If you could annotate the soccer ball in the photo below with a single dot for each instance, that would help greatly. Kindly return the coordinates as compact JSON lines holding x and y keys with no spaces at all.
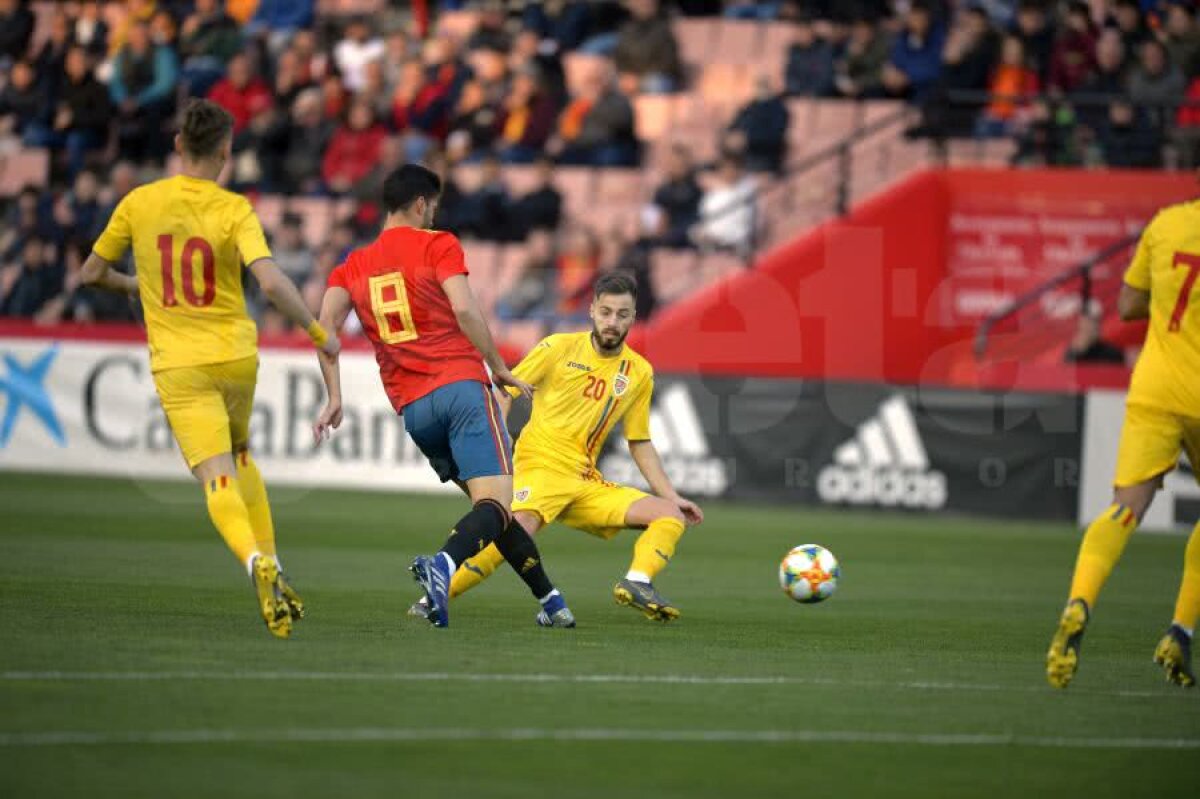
{"x":809,"y":573}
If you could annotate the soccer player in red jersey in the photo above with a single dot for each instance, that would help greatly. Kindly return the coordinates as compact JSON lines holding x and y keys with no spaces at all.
{"x":410,"y":291}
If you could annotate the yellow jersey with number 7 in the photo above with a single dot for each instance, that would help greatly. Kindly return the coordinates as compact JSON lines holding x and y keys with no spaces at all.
{"x":190,"y":240}
{"x":1167,"y":264}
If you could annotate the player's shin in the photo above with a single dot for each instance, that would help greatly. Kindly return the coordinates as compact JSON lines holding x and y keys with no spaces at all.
{"x":229,"y":515}
{"x":522,"y":554}
{"x":1102,"y":546}
{"x":475,"y":570}
{"x":655,"y":547}
{"x":254,"y":493}
{"x":1187,"y":606}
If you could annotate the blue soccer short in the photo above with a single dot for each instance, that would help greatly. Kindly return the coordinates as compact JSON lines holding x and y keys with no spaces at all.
{"x":460,"y":429}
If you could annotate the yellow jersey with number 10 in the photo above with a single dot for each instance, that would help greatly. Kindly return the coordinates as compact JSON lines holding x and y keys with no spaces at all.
{"x":190,"y":239}
{"x":580,"y":397}
{"x":1167,"y":264}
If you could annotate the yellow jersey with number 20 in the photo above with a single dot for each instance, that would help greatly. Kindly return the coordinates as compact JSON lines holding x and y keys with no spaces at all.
{"x":1167,"y":264}
{"x":190,"y":239}
{"x":580,"y":397}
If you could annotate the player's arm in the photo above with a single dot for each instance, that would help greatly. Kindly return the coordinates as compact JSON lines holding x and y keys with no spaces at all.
{"x":335,"y":307}
{"x":1134,"y":300}
{"x":98,"y":272}
{"x":475,"y":328}
{"x":1133,"y":303}
{"x":645,"y":455}
{"x":283,"y":294}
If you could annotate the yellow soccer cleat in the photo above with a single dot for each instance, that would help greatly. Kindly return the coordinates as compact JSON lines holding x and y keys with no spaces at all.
{"x":274,"y":610}
{"x":1174,"y":654}
{"x":643,"y":597}
{"x":292,"y":600}
{"x":1063,"y":658}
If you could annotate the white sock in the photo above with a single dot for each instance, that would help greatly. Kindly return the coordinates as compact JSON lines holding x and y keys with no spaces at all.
{"x":637,"y":577}
{"x":449,"y":562}
{"x":278,"y":562}
{"x":549,"y":596}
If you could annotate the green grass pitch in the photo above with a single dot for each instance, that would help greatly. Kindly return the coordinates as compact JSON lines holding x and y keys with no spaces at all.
{"x":132,"y":663}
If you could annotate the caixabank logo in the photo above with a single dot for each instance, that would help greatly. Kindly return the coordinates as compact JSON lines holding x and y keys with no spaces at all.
{"x":24,"y":390}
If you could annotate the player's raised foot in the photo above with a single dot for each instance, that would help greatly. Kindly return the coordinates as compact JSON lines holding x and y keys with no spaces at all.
{"x":264,"y":572}
{"x":292,"y":600}
{"x":642,"y":596}
{"x":419,"y":609}
{"x":1063,"y":658}
{"x":433,"y":575}
{"x":1174,"y":654}
{"x":555,"y":613}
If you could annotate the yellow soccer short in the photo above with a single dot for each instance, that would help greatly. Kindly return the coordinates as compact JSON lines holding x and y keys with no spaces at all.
{"x":592,"y":505}
{"x":208,"y":407}
{"x":1151,"y":441}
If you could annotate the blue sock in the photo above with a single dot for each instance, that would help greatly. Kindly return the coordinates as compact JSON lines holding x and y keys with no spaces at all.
{"x":553,"y":602}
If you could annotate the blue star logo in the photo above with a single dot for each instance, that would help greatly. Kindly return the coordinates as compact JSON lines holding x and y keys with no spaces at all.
{"x":25,"y":386}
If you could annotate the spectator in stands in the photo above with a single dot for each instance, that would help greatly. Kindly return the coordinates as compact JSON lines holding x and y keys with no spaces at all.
{"x":532,"y":293}
{"x":1185,"y":136}
{"x":540,"y":209}
{"x":1129,"y":20}
{"x":565,"y":22}
{"x":1074,"y":57}
{"x":80,"y":121}
{"x":675,"y":208}
{"x":29,"y":217}
{"x":727,"y":209}
{"x":142,"y":87}
{"x":1130,"y":140}
{"x":490,"y":33}
{"x":22,"y":105}
{"x":208,"y":41}
{"x":858,"y":70}
{"x":916,"y":58}
{"x":312,"y":63}
{"x":26,"y":286}
{"x":51,"y":59}
{"x":1087,"y":346}
{"x":420,"y":110}
{"x":78,"y":211}
{"x":291,"y":252}
{"x":289,"y":79}
{"x":529,"y":50}
{"x":1109,"y":78}
{"x":334,"y":97}
{"x":1012,"y":80}
{"x":1036,"y":30}
{"x":596,"y":128}
{"x":809,"y":68}
{"x":281,"y":19}
{"x":91,"y":31}
{"x":243,"y":94}
{"x":759,"y":131}
{"x":576,"y":268}
{"x":967,"y":59}
{"x":474,"y":119}
{"x":307,"y":137}
{"x":647,"y":55}
{"x":354,"y":149}
{"x":137,"y":12}
{"x":526,"y":119}
{"x":1155,"y":83}
{"x":357,"y":49}
{"x":16,"y":31}
{"x":1182,"y":37}
{"x":486,"y":209}
{"x":164,"y":31}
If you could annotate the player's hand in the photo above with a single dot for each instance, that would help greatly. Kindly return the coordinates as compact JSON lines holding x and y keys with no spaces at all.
{"x":332,"y":346}
{"x":329,"y":420}
{"x":691,"y":511}
{"x":505,"y":379}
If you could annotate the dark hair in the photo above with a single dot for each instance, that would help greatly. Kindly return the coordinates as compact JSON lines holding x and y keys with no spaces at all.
{"x":205,"y":127}
{"x":406,"y":184}
{"x":616,"y":283}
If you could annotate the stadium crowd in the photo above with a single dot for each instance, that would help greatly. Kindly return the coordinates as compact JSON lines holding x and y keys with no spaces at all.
{"x":326,"y":102}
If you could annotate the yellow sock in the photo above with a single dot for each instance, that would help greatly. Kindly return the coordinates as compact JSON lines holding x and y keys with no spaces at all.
{"x":1102,"y":546}
{"x":254,"y":493}
{"x":475,"y":570}
{"x":1187,"y":607}
{"x":228,"y":512}
{"x":655,"y":547}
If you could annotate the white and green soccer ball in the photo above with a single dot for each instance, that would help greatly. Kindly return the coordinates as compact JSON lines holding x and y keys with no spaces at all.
{"x":809,"y":573}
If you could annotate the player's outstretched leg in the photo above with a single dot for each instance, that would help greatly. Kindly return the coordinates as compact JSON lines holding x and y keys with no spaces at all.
{"x":1063,"y":658}
{"x":254,"y":492}
{"x":1174,"y":652}
{"x":473,"y":533}
{"x":653,"y":551}
{"x":517,"y":546}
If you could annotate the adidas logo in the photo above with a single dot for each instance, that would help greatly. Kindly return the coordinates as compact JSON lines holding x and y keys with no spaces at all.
{"x":678,"y":435}
{"x":885,"y":464}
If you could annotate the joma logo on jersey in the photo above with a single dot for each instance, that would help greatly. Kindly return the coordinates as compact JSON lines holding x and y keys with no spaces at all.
{"x":581,"y":367}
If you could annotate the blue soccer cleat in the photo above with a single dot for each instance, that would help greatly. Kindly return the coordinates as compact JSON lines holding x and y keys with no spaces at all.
{"x":555,"y":613}
{"x":433,"y":575}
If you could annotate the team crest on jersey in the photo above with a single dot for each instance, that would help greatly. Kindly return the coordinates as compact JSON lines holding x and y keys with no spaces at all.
{"x":521,"y":494}
{"x":620,"y":385}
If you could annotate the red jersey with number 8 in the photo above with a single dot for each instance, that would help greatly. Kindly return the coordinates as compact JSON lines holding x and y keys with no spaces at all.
{"x":395,"y":284}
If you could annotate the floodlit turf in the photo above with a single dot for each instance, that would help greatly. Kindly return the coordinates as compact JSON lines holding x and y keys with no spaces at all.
{"x":132,"y":664}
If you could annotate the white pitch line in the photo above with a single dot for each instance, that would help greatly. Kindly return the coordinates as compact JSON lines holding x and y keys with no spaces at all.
{"x":413,"y":735}
{"x":633,"y":679}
